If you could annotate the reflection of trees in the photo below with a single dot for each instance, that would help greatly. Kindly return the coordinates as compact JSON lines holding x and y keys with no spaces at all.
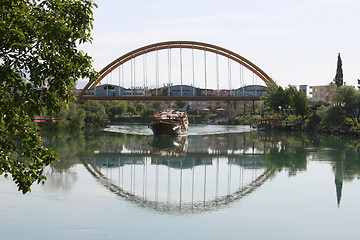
{"x":282,"y":149}
{"x":285,"y":151}
{"x":66,"y":145}
{"x":279,"y":157}
{"x":345,"y":157}
{"x":277,"y":150}
{"x":343,"y":153}
{"x":60,"y":181}
{"x":291,"y":151}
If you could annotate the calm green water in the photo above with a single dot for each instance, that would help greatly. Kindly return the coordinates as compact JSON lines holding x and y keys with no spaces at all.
{"x":218,"y":182}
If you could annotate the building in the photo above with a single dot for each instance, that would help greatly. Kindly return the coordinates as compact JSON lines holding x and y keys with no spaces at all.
{"x":137,"y":91}
{"x":303,"y":88}
{"x":107,"y":90}
{"x":322,"y":93}
{"x":250,"y":91}
{"x":182,"y":90}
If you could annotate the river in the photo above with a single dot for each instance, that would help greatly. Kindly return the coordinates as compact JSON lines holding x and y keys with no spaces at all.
{"x":218,"y":182}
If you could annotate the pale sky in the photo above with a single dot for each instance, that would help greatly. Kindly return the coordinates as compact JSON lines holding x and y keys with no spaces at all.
{"x":293,"y":41}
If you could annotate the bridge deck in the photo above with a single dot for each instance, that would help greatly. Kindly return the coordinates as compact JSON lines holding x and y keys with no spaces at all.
{"x":171,"y":98}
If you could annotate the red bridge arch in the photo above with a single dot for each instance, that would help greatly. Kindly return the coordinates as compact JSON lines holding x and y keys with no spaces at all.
{"x":178,"y":44}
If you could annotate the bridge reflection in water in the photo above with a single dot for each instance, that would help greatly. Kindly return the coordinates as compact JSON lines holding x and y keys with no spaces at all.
{"x":168,"y":178}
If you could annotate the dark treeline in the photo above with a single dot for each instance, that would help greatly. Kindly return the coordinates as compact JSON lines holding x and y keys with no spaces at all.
{"x":95,"y":114}
{"x":291,"y":106}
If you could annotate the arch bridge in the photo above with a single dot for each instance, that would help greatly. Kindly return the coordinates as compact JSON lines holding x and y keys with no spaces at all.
{"x":166,"y":203}
{"x":200,"y":81}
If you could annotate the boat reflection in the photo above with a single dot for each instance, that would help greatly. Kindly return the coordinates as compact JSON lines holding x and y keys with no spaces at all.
{"x":169,"y":145}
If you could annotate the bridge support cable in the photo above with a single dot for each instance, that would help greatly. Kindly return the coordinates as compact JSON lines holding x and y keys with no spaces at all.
{"x":134,"y":88}
{"x":181,"y":72}
{"x":157,"y":72}
{"x":229,"y":76}
{"x":120,"y":80}
{"x":256,"y":87}
{"x":144,"y":78}
{"x":240,"y":79}
{"x":193,"y":69}
{"x":107,"y":87}
{"x":169,"y":69}
{"x":205,"y":71}
{"x":242,"y":74}
{"x":145,"y":70}
{"x":123,"y":76}
{"x":131,"y":75}
{"x":111,"y":73}
{"x":217,"y":74}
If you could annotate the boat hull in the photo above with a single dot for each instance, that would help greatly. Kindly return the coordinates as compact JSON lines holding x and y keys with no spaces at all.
{"x":164,"y":128}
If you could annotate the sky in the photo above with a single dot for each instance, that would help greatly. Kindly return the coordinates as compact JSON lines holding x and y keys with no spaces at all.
{"x":294,"y":41}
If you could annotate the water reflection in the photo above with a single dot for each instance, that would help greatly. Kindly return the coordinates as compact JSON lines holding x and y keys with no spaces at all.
{"x":169,"y":145}
{"x":196,"y":173}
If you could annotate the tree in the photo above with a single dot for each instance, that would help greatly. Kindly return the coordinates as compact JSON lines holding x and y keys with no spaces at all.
{"x":339,"y":73}
{"x":148,"y":112}
{"x":76,"y":116}
{"x":158,"y":105}
{"x":140,"y":107}
{"x":299,"y":101}
{"x":39,"y":65}
{"x":270,"y":97}
{"x":131,"y":109}
{"x":276,"y":97}
{"x":73,"y":115}
{"x":95,"y":114}
{"x":114,"y":109}
{"x":332,"y":116}
{"x":180,"y":104}
{"x":348,"y":99}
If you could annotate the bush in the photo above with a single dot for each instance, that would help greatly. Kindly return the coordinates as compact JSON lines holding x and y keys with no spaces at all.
{"x":312,"y":122}
{"x":95,"y":115}
{"x":292,"y":119}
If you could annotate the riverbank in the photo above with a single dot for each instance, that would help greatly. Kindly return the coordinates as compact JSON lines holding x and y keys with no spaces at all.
{"x":311,"y":123}
{"x":307,"y":124}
